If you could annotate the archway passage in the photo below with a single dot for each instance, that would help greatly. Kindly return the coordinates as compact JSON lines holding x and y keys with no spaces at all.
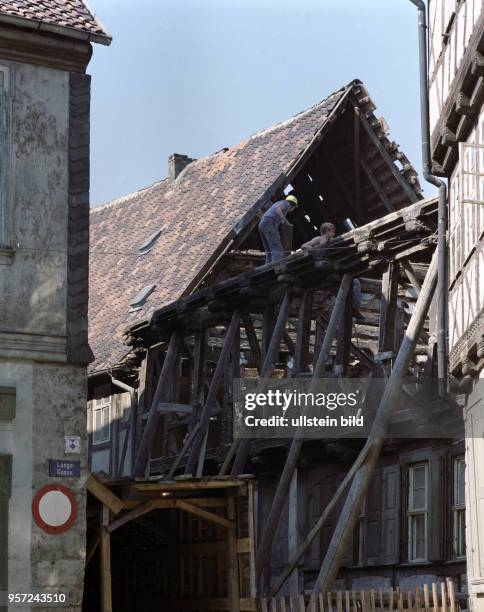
{"x":171,"y":546}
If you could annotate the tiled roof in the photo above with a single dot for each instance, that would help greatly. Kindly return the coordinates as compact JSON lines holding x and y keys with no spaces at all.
{"x":196,"y":213}
{"x":73,"y":15}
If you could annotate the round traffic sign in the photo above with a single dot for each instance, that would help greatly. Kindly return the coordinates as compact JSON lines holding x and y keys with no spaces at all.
{"x":54,"y":508}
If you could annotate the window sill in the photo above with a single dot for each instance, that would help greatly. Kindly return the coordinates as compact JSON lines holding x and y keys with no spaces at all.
{"x":417,"y":564}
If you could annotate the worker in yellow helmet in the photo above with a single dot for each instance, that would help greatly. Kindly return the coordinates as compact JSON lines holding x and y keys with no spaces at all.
{"x":270,"y":224}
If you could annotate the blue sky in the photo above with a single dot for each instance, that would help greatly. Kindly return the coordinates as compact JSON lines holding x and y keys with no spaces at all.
{"x":193,"y":76}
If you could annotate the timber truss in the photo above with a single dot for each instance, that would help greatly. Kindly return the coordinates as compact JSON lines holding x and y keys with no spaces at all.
{"x":297,"y":311}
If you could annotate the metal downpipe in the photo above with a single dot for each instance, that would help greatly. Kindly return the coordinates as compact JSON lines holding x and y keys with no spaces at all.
{"x":442,"y":282}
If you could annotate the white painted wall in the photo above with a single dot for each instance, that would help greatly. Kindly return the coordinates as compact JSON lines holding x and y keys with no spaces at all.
{"x":457,"y":19}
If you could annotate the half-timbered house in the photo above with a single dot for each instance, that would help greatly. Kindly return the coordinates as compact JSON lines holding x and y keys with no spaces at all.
{"x":181,"y":304}
{"x":456,"y":86}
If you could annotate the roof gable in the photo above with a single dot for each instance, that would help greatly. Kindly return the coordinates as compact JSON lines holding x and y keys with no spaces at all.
{"x":211,"y":205}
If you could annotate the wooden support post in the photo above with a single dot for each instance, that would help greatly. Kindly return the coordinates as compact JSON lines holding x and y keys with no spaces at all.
{"x":233,"y":562}
{"x":359,"y":486}
{"x":198,"y":372}
{"x":106,"y":587}
{"x":267,"y":329}
{"x":159,"y":396}
{"x":318,"y":338}
{"x":252,"y":339}
{"x":281,"y":492}
{"x":326,"y":512}
{"x":194,"y":455}
{"x":266,"y":372}
{"x":356,"y":155}
{"x":292,"y":531}
{"x":345,"y":329}
{"x":301,"y":355}
{"x":388,"y":309}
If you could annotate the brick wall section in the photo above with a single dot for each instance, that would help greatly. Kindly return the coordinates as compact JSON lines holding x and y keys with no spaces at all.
{"x":78,"y":350}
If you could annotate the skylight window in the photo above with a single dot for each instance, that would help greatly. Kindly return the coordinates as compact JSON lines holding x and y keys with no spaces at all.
{"x":149,"y":242}
{"x":140,"y":298}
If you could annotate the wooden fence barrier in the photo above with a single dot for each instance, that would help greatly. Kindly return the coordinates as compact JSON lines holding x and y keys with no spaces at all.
{"x":436,"y":598}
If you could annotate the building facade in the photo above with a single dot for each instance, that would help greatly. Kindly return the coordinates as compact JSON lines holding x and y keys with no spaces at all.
{"x":44,"y":234}
{"x":456,"y":84}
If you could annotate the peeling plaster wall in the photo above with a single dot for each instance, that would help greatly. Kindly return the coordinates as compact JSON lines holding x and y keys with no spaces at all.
{"x":51,"y":393}
{"x":33,"y":285}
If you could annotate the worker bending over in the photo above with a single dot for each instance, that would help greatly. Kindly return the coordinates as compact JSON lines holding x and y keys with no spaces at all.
{"x":270,"y":224}
{"x":327,"y":232}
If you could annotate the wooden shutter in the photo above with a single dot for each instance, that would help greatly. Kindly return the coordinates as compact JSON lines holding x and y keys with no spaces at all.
{"x":390,"y":523}
{"x":5,"y":489}
{"x":373,"y":519}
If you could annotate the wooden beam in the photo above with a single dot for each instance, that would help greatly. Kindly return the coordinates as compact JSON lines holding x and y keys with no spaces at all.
{"x":402,"y":181}
{"x":375,"y":184}
{"x":92,"y":547}
{"x":356,"y":156}
{"x":106,"y":581}
{"x":162,"y":389}
{"x":266,"y":372}
{"x":388,"y":309}
{"x":204,"y":514}
{"x":267,"y":329}
{"x":233,"y":561}
{"x":189,"y":439}
{"x":345,"y":329}
{"x":193,"y":457}
{"x":131,"y":515}
{"x":252,"y":339}
{"x":359,"y":487}
{"x":342,"y":187}
{"x":303,"y":337}
{"x":104,"y":495}
{"x":282,"y":490}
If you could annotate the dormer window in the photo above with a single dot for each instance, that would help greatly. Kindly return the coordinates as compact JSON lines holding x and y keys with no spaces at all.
{"x":140,"y":298}
{"x":149,"y":242}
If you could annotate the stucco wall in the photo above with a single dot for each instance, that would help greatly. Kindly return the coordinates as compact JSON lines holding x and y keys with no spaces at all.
{"x":50,"y":405}
{"x":33,"y":284}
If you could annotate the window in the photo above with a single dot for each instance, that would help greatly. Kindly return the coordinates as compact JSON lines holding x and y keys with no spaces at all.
{"x":417,"y":512}
{"x":5,"y":237}
{"x":140,"y":298}
{"x":101,"y":417}
{"x":471,"y":157}
{"x":458,"y":509}
{"x":149,"y":242}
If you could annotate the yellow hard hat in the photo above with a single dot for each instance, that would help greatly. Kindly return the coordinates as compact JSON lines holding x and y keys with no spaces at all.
{"x":292,"y":198}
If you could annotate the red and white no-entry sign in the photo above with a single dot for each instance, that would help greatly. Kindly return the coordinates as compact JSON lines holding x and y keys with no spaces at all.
{"x":54,"y":508}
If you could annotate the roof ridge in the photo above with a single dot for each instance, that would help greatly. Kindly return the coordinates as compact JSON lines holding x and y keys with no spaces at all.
{"x":127,"y":196}
{"x":298,"y":115}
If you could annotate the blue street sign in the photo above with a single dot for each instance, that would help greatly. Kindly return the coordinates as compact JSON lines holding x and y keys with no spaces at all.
{"x":59,"y":468}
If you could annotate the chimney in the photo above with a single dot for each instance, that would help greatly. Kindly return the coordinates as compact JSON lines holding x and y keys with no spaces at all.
{"x":176,"y":163}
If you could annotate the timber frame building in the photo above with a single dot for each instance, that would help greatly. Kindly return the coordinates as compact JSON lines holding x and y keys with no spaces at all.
{"x":456,"y":87}
{"x":192,"y":519}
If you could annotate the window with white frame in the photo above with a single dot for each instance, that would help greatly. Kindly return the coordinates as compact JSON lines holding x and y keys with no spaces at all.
{"x":471,"y":165}
{"x":459,"y":509}
{"x":101,"y":418}
{"x":5,"y":211}
{"x":417,"y":511}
